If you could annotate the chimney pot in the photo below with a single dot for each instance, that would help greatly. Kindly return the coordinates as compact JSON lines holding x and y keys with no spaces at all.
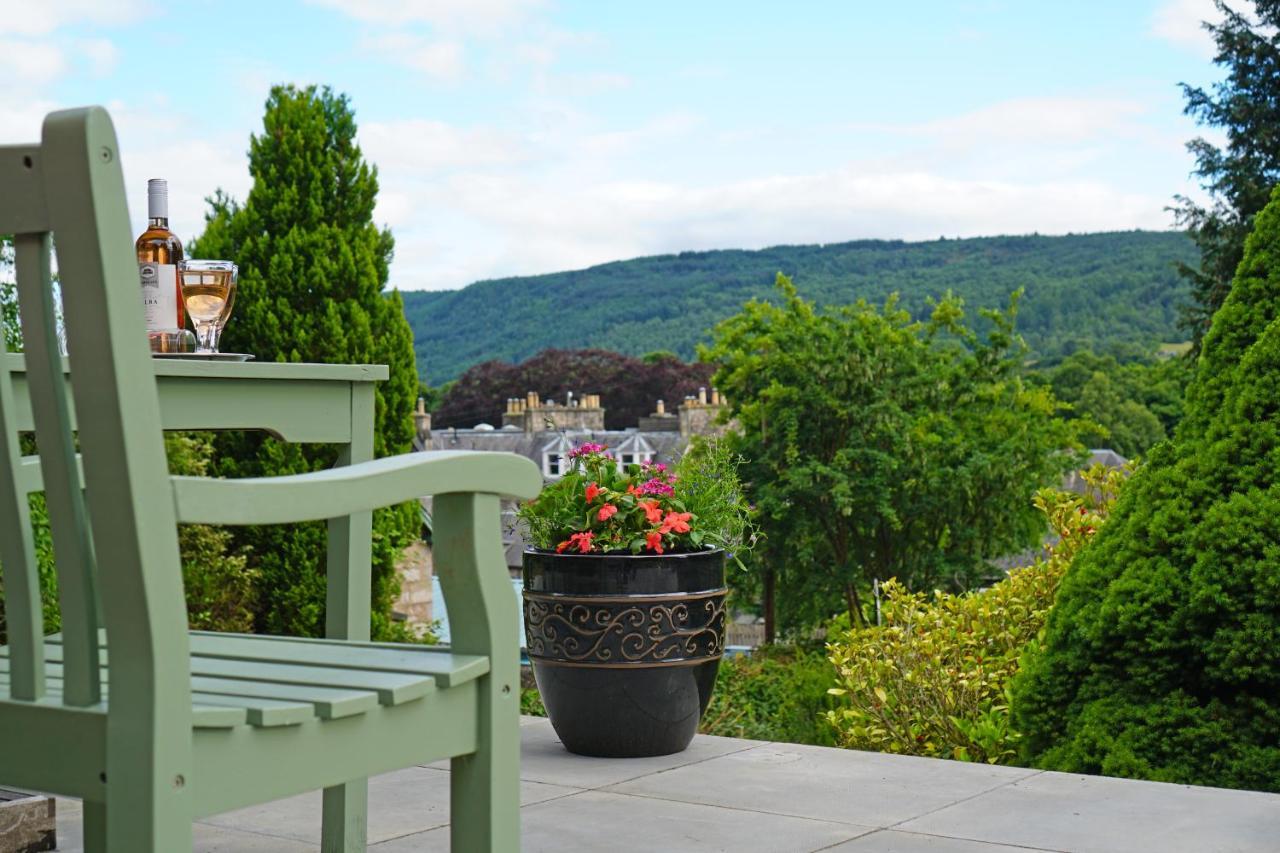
{"x":662,"y":408}
{"x":702,"y":396}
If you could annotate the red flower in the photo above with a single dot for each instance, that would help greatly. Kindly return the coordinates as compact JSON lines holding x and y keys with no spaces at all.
{"x":632,"y":490}
{"x":582,"y":540}
{"x":592,"y":491}
{"x":652,"y":513}
{"x":607,"y":512}
{"x":560,"y":548}
{"x":653,"y":541}
{"x":676,"y":522}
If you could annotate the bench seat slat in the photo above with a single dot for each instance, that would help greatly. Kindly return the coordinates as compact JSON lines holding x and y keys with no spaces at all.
{"x":203,"y":716}
{"x":329,"y":703}
{"x":261,"y":712}
{"x":447,"y":668}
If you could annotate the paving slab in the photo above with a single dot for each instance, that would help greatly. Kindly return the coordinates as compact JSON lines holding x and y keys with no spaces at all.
{"x":867,"y":788}
{"x":544,"y":759}
{"x":400,"y":803}
{"x":743,"y":796}
{"x":207,"y":839}
{"x":594,"y":821}
{"x":1094,"y":814}
{"x":893,"y":841}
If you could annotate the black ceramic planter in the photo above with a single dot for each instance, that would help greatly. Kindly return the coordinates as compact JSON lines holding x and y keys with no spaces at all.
{"x":624,"y":648}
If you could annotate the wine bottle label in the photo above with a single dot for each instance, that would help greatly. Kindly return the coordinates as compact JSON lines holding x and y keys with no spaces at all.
{"x":159,"y":295}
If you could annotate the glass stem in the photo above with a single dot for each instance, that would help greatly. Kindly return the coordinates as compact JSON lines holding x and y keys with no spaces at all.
{"x":206,"y":337}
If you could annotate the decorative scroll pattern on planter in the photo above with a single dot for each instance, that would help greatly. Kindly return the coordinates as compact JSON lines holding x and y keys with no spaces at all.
{"x":650,"y":629}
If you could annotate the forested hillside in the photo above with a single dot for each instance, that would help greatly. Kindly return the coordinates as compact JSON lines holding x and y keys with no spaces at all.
{"x":1112,"y":292}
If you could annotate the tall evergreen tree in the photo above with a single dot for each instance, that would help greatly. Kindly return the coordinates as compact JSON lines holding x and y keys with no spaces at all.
{"x":313,"y":271}
{"x":1239,"y":178}
{"x":1161,"y":657}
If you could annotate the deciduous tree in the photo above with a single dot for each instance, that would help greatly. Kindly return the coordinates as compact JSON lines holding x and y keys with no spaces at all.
{"x":1238,"y":176}
{"x":880,"y":447}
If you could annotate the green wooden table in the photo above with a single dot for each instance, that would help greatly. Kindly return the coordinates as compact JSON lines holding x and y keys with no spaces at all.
{"x":298,"y":403}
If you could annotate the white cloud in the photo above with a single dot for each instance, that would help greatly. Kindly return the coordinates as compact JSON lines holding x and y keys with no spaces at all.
{"x":480,"y":17}
{"x":1181,"y":22}
{"x":101,"y":55}
{"x":479,"y":202}
{"x":32,"y":62}
{"x":41,"y":18}
{"x":440,"y":59}
{"x":1030,"y":120}
{"x":424,"y":146}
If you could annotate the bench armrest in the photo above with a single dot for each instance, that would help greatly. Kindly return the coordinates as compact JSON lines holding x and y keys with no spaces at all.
{"x":344,"y":490}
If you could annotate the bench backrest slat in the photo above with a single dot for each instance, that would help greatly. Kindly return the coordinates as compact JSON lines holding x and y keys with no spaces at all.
{"x":64,"y":496}
{"x":24,"y":622}
{"x":114,"y":527}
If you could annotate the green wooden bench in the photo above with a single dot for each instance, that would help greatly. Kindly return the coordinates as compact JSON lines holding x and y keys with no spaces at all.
{"x":150,"y":724}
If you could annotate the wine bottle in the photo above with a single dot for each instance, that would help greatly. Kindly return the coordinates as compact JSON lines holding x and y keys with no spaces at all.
{"x":159,"y":253}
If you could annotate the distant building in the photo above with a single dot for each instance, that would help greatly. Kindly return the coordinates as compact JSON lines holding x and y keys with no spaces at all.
{"x":545,"y":432}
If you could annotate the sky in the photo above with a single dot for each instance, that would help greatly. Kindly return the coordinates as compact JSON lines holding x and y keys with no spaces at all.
{"x":516,"y":137}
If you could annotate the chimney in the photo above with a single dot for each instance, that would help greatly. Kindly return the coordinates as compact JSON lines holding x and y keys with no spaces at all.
{"x":715,"y":397}
{"x":422,"y":421}
{"x":662,"y":408}
{"x":702,"y":396}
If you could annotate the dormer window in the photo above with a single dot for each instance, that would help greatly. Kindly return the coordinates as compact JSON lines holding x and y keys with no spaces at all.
{"x":634,"y":450}
{"x":555,"y":457}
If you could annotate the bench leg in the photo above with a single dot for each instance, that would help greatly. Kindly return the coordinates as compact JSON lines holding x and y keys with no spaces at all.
{"x":345,"y":826}
{"x":484,"y":788}
{"x":136,"y":825}
{"x":95,"y":827}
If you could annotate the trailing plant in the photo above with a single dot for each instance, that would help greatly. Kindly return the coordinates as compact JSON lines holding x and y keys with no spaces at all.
{"x":932,"y":678}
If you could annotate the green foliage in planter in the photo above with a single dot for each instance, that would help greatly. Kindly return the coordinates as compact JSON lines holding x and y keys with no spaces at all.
{"x":932,"y":679}
{"x":1161,"y":659}
{"x":777,"y":693}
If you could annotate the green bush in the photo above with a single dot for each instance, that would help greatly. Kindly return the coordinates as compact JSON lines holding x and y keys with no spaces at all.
{"x":776,"y":693}
{"x":221,"y":590}
{"x":1161,"y":659}
{"x":531,"y":702}
{"x":932,"y":678}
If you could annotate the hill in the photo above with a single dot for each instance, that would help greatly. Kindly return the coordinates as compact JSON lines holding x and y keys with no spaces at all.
{"x":1111,"y":292}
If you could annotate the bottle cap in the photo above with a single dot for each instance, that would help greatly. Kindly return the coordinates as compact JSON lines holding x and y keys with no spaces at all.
{"x":158,"y":198}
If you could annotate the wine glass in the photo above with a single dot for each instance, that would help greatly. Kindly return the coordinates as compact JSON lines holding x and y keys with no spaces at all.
{"x":209,"y":291}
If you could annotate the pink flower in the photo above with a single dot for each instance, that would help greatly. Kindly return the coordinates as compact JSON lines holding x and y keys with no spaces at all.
{"x":582,"y":540}
{"x":657,"y":486}
{"x":586,"y":450}
{"x":607,"y":512}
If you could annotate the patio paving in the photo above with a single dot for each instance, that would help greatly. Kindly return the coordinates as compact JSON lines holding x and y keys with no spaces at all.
{"x":737,"y":795}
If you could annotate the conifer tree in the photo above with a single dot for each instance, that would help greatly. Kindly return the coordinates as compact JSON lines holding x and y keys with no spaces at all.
{"x":1161,"y":657}
{"x":313,"y":271}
